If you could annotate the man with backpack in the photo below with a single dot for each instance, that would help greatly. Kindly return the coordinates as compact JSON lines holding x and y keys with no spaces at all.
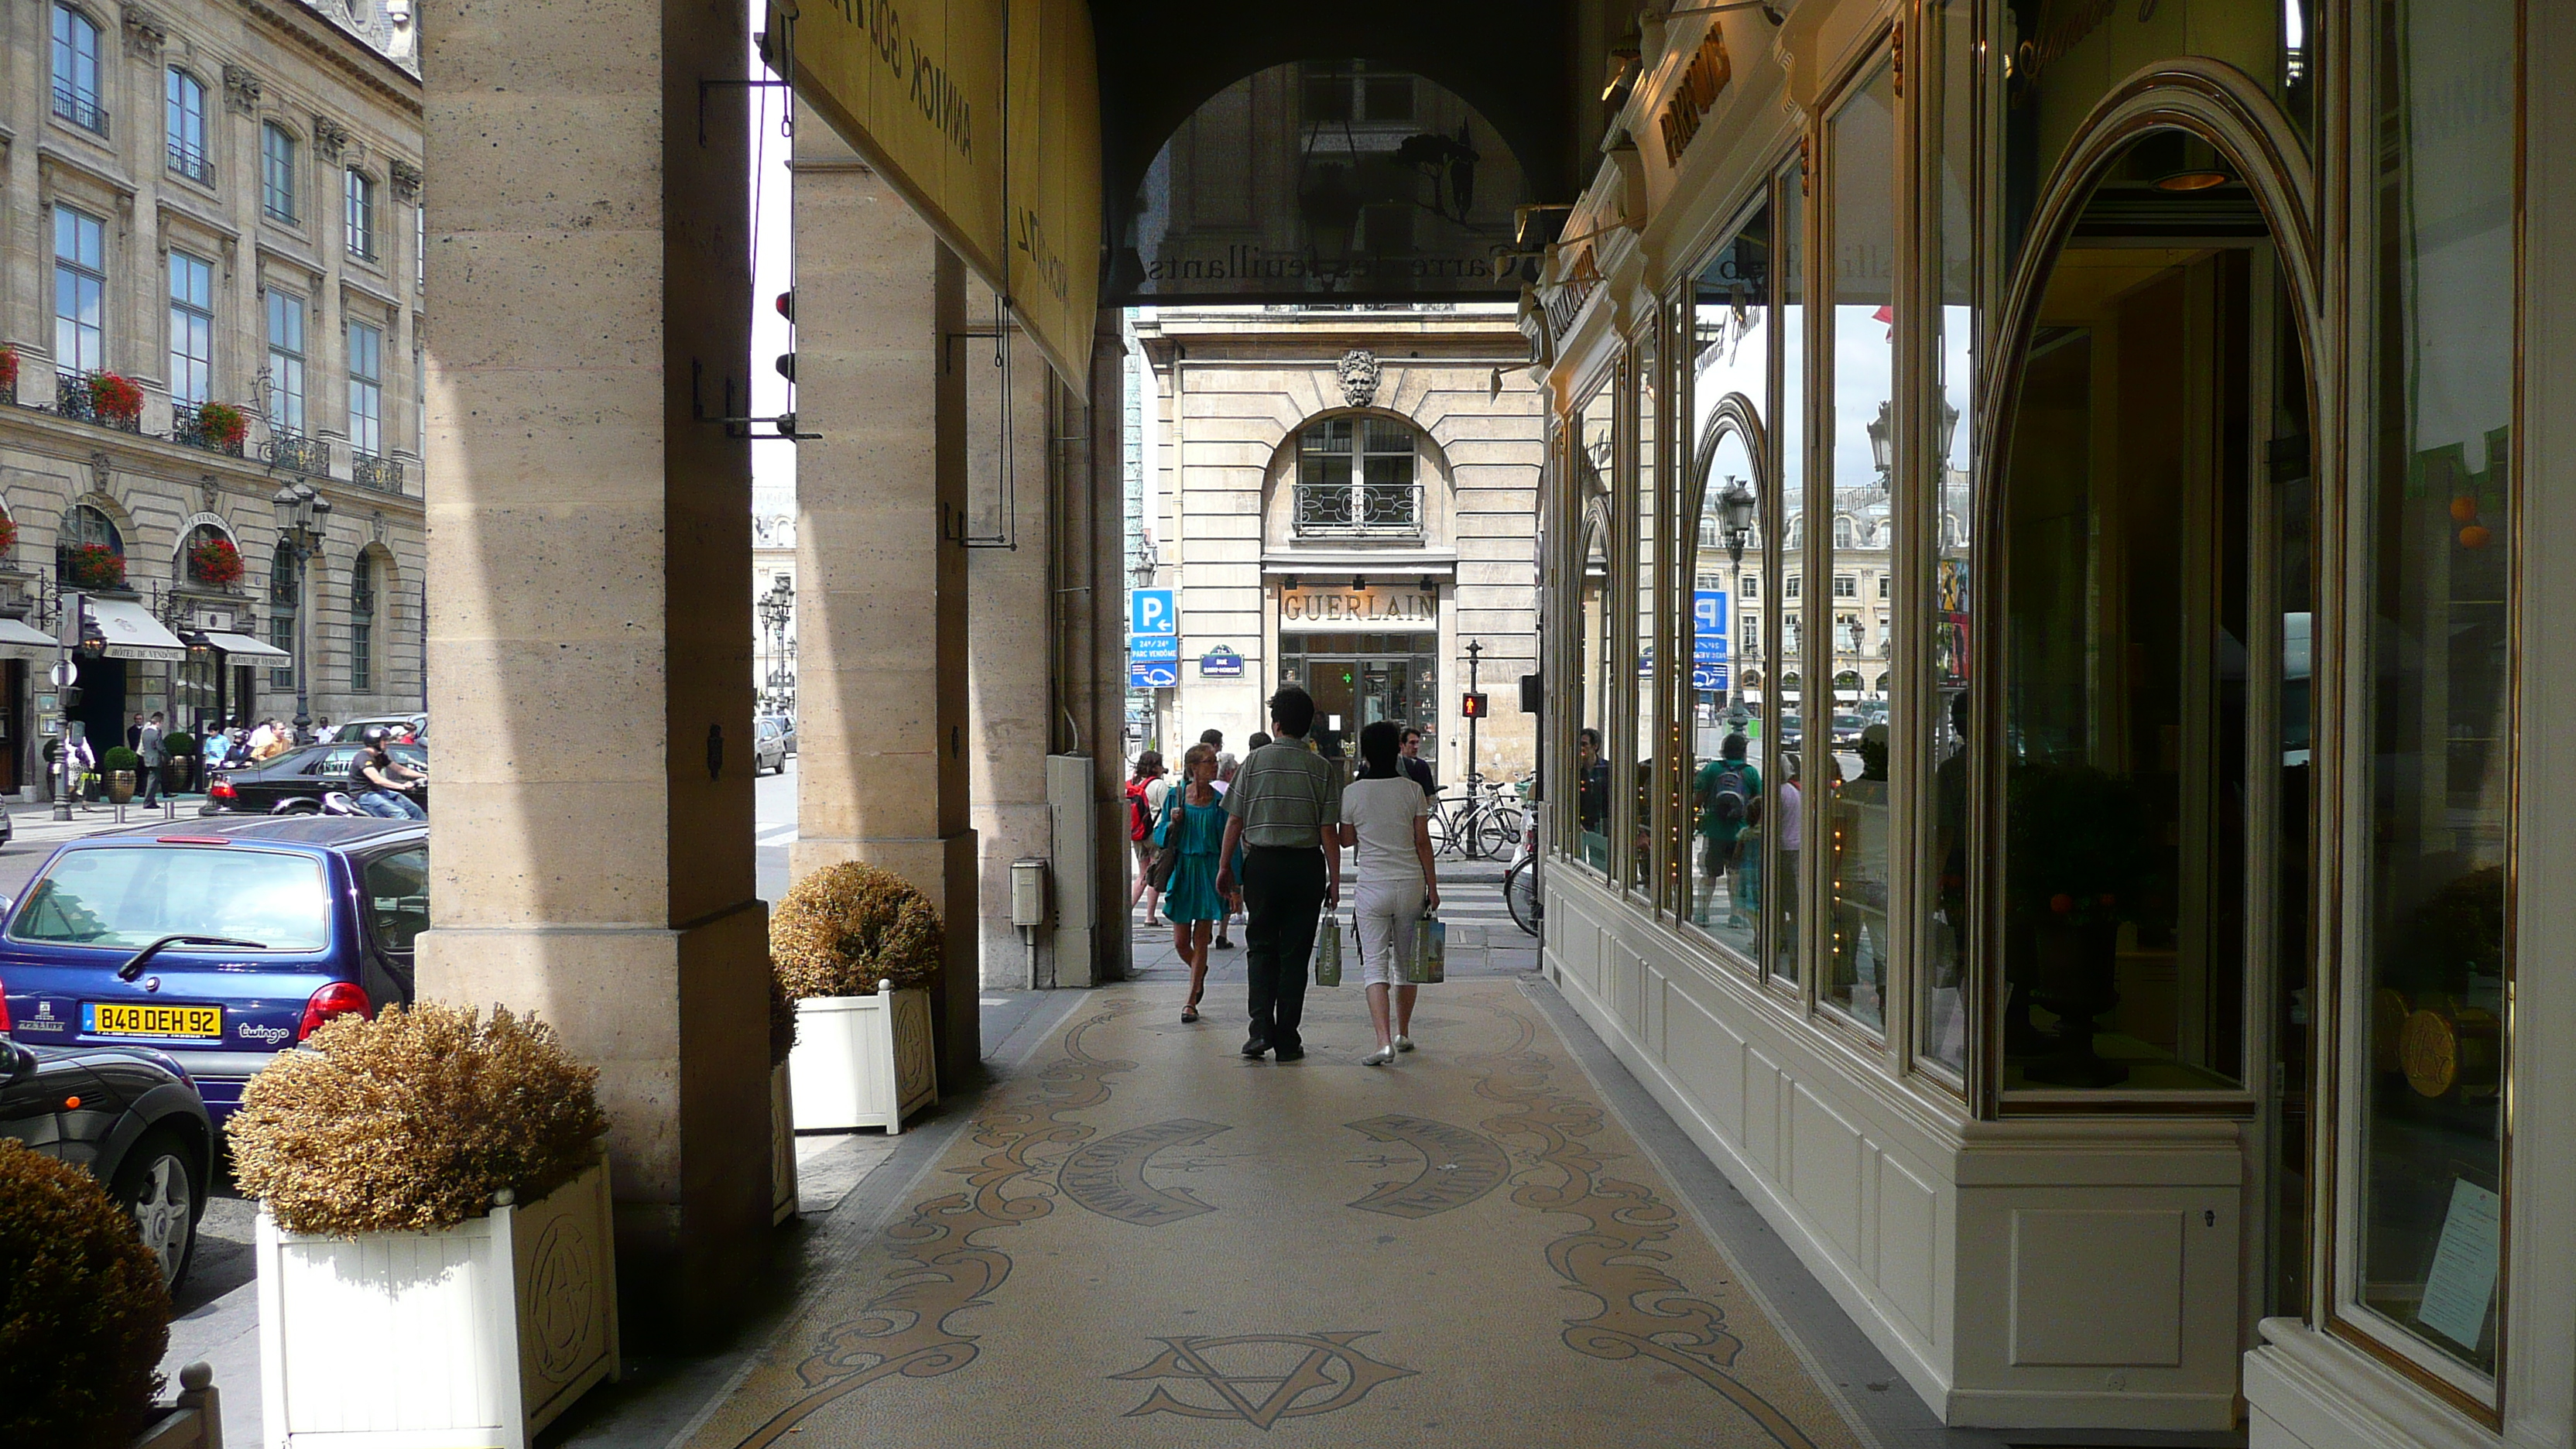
{"x":1724,"y":791}
{"x":1145,"y":791}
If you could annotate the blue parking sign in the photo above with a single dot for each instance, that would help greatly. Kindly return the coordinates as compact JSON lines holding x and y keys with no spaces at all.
{"x":1156,"y":674}
{"x":1150,"y":611}
{"x":1709,"y":678}
{"x":1708,"y":626}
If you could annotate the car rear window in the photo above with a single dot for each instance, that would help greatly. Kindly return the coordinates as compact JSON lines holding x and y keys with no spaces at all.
{"x":131,"y":896}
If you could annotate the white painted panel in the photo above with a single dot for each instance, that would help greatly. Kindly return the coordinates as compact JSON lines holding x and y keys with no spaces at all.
{"x":1909,"y":1213}
{"x":1824,"y":1168}
{"x":1707,"y":1060}
{"x":1762,"y":1111}
{"x":1652,"y":1013}
{"x":2097,"y":1287}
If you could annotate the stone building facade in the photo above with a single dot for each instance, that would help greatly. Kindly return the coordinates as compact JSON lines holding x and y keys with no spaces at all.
{"x":1345,"y":498}
{"x":211,"y":211}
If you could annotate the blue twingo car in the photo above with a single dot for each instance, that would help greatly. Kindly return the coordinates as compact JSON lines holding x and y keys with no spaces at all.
{"x":221,"y":942}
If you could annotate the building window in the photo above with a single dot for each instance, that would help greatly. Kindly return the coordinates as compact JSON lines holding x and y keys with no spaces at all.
{"x":1846,"y":586}
{"x":184,"y":125}
{"x":77,"y":562}
{"x":80,"y":291}
{"x":282,"y":600}
{"x":362,"y":624}
{"x":1882,"y":586}
{"x":420,"y":403}
{"x":1750,"y":585}
{"x":285,"y":361}
{"x":1342,"y":91}
{"x":420,"y":248}
{"x":192,"y":328}
{"x":1356,"y":475}
{"x":1789,"y":587}
{"x":366,"y":388}
{"x":1843,"y":534}
{"x":277,"y":172}
{"x":1751,"y":630}
{"x":76,"y":71}
{"x":360,"y":223}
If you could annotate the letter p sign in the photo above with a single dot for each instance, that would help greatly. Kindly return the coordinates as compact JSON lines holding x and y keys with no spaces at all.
{"x":1149,"y":611}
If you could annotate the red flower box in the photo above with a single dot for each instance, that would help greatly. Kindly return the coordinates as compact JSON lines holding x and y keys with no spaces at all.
{"x":214,"y":561}
{"x":96,"y":566}
{"x":113,"y":396}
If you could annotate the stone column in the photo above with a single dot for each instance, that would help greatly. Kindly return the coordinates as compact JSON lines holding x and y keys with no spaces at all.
{"x":882,"y":578}
{"x":589,"y":640}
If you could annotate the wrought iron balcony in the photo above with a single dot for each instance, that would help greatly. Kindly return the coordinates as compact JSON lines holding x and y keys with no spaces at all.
{"x":192,"y":163}
{"x":374,"y":470}
{"x":81,"y":110}
{"x":75,"y":397}
{"x":187,"y":426}
{"x":1369,"y":510}
{"x":297,"y":453}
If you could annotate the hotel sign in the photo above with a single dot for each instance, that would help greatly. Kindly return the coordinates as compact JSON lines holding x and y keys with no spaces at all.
{"x":1406,"y":609}
{"x":1697,"y":90}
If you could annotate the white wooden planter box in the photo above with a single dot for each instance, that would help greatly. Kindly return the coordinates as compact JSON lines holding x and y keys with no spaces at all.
{"x":862,"y":1061}
{"x":782,"y":1147}
{"x":471,"y":1338}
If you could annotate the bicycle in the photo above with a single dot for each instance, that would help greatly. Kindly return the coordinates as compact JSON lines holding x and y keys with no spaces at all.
{"x":1476,"y":824}
{"x":1520,"y":883}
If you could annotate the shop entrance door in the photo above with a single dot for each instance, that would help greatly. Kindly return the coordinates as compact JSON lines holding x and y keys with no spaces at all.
{"x":1359,"y":679}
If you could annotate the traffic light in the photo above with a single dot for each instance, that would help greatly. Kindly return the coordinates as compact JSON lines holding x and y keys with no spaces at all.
{"x":786,"y":305}
{"x":1474,"y":706}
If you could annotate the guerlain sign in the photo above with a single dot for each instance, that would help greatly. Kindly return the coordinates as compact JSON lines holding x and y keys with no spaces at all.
{"x":1358,"y":609}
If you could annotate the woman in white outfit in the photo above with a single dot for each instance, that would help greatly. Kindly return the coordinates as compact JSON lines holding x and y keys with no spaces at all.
{"x":1388,"y":817}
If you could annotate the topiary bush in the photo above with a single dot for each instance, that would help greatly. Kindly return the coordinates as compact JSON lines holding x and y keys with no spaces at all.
{"x":782,"y":1023}
{"x":851,"y":929}
{"x":412,"y":1121}
{"x":84,"y":1318}
{"x":118,"y":757}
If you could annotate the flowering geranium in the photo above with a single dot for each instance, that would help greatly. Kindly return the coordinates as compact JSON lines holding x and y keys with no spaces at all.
{"x":113,"y":396}
{"x":8,"y":534}
{"x":214,"y":560}
{"x":8,"y":366}
{"x":223,"y":425}
{"x":97,"y":566}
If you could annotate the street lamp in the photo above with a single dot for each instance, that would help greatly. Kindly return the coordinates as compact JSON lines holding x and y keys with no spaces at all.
{"x":302,"y":516}
{"x":1882,"y":441}
{"x":1735,"y":508}
{"x":777,"y":609}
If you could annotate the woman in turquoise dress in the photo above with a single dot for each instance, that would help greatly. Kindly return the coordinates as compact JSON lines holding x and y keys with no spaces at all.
{"x":1194,"y":816}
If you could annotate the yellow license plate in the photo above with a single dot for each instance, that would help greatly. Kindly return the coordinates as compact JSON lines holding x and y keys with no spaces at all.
{"x":135,"y":1018}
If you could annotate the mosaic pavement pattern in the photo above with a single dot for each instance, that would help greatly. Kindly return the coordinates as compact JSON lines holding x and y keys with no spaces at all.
{"x":1147,"y":1239}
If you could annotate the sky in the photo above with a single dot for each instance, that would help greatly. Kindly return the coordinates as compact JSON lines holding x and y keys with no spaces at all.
{"x":773,"y":464}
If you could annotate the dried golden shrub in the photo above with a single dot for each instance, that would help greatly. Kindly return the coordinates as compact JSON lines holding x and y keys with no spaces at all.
{"x":412,"y":1121}
{"x":848,"y":929}
{"x":83,"y":1316}
{"x":782,"y":1023}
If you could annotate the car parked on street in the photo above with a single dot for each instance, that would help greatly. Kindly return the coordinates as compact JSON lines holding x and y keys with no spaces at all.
{"x":132,"y":1119}
{"x":218,"y":942}
{"x":295,"y":782}
{"x":768,"y":745}
{"x":787,"y":727}
{"x":348,"y":730}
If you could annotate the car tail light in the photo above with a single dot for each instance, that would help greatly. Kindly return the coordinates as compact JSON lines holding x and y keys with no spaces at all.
{"x":221,"y":789}
{"x":6,"y":1026}
{"x":337,"y":999}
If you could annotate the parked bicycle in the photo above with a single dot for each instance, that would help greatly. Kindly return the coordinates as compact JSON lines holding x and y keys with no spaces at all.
{"x":1476,"y":824}
{"x":1520,"y":883}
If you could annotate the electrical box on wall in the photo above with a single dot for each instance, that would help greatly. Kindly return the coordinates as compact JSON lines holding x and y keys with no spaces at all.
{"x":1028,"y":892}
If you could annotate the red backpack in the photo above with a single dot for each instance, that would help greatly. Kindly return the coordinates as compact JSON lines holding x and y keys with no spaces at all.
{"x":1139,"y":823}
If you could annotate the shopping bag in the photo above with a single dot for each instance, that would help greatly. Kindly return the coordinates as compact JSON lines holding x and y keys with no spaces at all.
{"x":1427,"y":964}
{"x":1328,"y":950}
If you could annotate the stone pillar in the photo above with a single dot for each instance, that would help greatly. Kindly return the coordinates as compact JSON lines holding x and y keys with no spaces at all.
{"x":590,"y":632}
{"x":1092,"y":521}
{"x":881,"y":503}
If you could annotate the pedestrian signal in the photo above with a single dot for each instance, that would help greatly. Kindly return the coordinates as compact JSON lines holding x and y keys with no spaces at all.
{"x":1474,"y":706}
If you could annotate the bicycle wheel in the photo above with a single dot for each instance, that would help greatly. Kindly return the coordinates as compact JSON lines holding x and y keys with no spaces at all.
{"x":1520,"y":894}
{"x":1443,"y":824}
{"x":1498,"y":832}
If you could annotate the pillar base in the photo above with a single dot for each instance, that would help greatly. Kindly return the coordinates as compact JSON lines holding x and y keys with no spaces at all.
{"x":677,"y":1021}
{"x":944,"y":868}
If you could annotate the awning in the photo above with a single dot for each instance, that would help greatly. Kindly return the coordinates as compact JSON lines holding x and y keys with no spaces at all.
{"x":21,"y":640}
{"x":240,"y":646}
{"x":124,"y":629}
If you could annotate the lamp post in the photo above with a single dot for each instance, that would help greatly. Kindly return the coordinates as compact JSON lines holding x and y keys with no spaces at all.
{"x":1736,"y":507}
{"x":777,"y":608}
{"x":302,"y":516}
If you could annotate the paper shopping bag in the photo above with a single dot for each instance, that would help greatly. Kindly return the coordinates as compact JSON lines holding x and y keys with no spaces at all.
{"x":1427,"y":963}
{"x":1328,"y":950}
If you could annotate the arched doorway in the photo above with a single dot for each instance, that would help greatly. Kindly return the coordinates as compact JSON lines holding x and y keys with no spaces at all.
{"x":2155,"y":524}
{"x":1728,"y":511}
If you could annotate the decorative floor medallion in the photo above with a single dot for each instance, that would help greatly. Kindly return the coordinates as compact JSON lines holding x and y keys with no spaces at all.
{"x":1316,"y":1373}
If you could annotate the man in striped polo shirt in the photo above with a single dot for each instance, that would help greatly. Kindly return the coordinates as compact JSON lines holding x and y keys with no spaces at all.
{"x":1285,"y":800}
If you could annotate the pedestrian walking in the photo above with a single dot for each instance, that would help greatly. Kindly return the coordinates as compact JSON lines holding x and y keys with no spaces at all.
{"x":1227,"y":766}
{"x":1416,"y":768}
{"x":1282,"y":803}
{"x":1193,"y":818}
{"x":1145,"y":790}
{"x":1387,"y":817}
{"x":1724,"y":792}
{"x":1258,"y":739}
{"x":1213,"y":739}
{"x":148,"y":745}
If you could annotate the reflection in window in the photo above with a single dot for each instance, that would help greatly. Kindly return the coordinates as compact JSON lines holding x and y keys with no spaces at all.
{"x":2439,"y":748}
{"x":1784,"y":802}
{"x":1645,"y":737}
{"x":1943,"y":895}
{"x":1592,"y":451}
{"x":1861,"y":149}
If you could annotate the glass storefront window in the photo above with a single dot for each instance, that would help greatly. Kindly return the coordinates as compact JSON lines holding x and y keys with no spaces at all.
{"x":1644,"y":736}
{"x":1725,"y":748}
{"x":1593,"y":434}
{"x":1783,"y":799}
{"x":1945,"y":514}
{"x":2437,"y":749}
{"x":1860,"y":158}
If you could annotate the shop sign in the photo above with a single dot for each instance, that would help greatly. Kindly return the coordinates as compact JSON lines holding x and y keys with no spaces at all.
{"x":1153,"y":626}
{"x":1710,"y":678}
{"x":1220,"y":663}
{"x":1153,"y":674}
{"x":1358,"y":609}
{"x":1698,"y":89}
{"x":1565,"y":301}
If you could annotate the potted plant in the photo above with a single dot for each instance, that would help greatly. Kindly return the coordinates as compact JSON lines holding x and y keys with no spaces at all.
{"x":8,"y":373}
{"x":96,"y":566}
{"x":782,"y":1104}
{"x":8,"y":534}
{"x":120,"y":765}
{"x":425,"y":1177}
{"x":115,"y":398}
{"x":178,"y":763}
{"x":84,"y":1317}
{"x":214,"y":560}
{"x":852,"y":945}
{"x":2078,"y":838}
{"x":224,"y":427}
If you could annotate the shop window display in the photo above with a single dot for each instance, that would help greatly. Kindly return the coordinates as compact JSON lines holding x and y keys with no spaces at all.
{"x":1783,"y":798}
{"x":1645,"y":738}
{"x":1593,"y":433}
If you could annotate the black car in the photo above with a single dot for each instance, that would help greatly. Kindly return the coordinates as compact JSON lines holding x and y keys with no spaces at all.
{"x":131,"y":1118}
{"x":295,"y":782}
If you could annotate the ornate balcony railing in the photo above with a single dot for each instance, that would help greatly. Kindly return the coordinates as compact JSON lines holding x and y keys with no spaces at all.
{"x":82,"y":111}
{"x":188,"y":427}
{"x":1372,"y":510}
{"x":374,"y":470}
{"x":76,"y":397}
{"x":190,"y":162}
{"x":299,"y":454}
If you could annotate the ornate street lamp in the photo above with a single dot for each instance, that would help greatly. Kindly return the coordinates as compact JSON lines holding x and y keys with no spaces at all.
{"x":302,"y":516}
{"x":1735,"y":512}
{"x":1882,"y":441}
{"x":777,"y":611}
